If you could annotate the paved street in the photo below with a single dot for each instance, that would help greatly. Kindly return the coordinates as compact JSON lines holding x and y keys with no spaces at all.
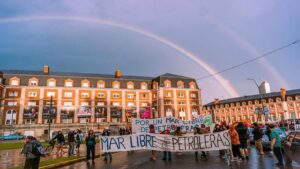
{"x":141,"y":160}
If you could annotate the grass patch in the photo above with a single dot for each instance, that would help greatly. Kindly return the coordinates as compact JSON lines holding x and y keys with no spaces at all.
{"x":52,"y":161}
{"x":14,"y":145}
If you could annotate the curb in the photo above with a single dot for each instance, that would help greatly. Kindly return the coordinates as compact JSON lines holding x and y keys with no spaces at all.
{"x":65,"y":163}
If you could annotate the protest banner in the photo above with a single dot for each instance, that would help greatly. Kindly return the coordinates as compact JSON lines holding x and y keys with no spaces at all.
{"x":159,"y":142}
{"x":169,"y":123}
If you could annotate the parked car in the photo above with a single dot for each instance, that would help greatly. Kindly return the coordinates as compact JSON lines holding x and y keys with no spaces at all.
{"x":12,"y":137}
{"x":266,"y":141}
{"x":291,"y":147}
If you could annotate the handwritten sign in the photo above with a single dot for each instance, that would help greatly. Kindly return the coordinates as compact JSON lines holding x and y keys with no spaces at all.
{"x":169,"y":123}
{"x":159,"y":142}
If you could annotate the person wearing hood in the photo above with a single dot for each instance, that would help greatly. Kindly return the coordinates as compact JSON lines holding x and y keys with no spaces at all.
{"x":235,"y":141}
{"x":242,"y":131}
{"x":32,"y":160}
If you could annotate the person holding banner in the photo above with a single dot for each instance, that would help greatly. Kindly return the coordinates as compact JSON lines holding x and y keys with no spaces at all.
{"x":90,"y":145}
{"x":167,"y":154}
{"x":106,"y":132}
{"x":152,"y":130}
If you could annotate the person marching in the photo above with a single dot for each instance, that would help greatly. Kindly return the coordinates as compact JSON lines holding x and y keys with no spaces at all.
{"x":167,"y":154}
{"x":257,"y":133}
{"x":79,"y":138}
{"x":242,"y":131}
{"x":276,"y":145}
{"x":90,"y":145}
{"x":235,"y":141}
{"x":32,"y":159}
{"x":61,"y":142}
{"x":71,"y":141}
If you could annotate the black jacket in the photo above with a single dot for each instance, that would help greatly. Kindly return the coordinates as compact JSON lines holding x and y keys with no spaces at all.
{"x":257,"y":133}
{"x":90,"y":140}
{"x":60,"y":138}
{"x":71,"y":136}
{"x":242,"y":131}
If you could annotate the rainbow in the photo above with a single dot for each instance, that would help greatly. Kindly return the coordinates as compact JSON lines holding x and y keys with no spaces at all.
{"x":225,"y":83}
{"x":250,"y":48}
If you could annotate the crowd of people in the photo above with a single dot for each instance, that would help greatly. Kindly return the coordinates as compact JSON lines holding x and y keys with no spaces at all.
{"x":238,"y":132}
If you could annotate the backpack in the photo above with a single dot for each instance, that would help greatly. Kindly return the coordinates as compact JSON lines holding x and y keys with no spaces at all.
{"x":38,"y":150}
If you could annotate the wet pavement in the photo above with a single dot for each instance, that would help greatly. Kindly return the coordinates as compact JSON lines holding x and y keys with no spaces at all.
{"x":141,"y":160}
{"x":14,"y":158}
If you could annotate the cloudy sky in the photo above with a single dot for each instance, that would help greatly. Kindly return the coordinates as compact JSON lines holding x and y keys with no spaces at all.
{"x":147,"y":37}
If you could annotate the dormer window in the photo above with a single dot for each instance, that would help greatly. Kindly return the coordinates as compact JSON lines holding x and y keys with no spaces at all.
{"x":143,"y":86}
{"x":101,"y":84}
{"x":33,"y":82}
{"x":15,"y":81}
{"x":85,"y":83}
{"x":192,"y":85}
{"x":130,"y":85}
{"x":167,"y":83}
{"x":116,"y":85}
{"x":154,"y":85}
{"x":69,"y":83}
{"x":51,"y":83}
{"x":180,"y":84}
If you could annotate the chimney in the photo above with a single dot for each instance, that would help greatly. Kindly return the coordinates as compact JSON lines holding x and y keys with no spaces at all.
{"x":46,"y":70}
{"x":118,"y":74}
{"x":283,"y":93}
{"x":216,"y":101}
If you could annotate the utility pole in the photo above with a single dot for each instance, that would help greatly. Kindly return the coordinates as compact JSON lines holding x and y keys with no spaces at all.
{"x":50,"y":118}
{"x":262,"y":111}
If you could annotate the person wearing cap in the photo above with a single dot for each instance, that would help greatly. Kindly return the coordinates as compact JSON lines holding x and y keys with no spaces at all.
{"x":276,"y":145}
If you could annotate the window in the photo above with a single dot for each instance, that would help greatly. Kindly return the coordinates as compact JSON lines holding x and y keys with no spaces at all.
{"x":289,"y":98}
{"x":101,"y":85}
{"x":116,"y":95}
{"x":85,"y":84}
{"x":169,"y":112}
{"x":15,"y":81}
{"x":10,"y":117}
{"x":68,"y":104}
{"x":144,"y":86}
{"x":144,"y":96}
{"x":194,"y":111}
{"x":48,"y":103}
{"x":51,"y":83}
{"x":180,"y":84}
{"x":168,"y":102}
{"x":12,"y":103}
{"x":181,"y":102}
{"x":116,"y":85}
{"x":192,"y":85}
{"x":116,"y":104}
{"x":155,"y":85}
{"x":32,"y":94}
{"x":193,"y":95}
{"x":297,"y":98}
{"x":130,"y":104}
{"x":13,"y":94}
{"x":100,"y":104}
{"x":168,"y":94}
{"x":84,"y":104}
{"x":31,"y":103}
{"x":68,"y":94}
{"x":144,"y":104}
{"x":85,"y":95}
{"x":154,"y":96}
{"x":167,"y":83}
{"x":194,"y":103}
{"x":130,"y":96}
{"x":49,"y":94}
{"x":100,"y":95}
{"x":180,"y":94}
{"x":69,"y":84}
{"x":33,"y":83}
{"x":130,"y":85}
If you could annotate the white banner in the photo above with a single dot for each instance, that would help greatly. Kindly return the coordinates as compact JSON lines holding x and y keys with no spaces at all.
{"x":159,"y":142}
{"x":169,"y":123}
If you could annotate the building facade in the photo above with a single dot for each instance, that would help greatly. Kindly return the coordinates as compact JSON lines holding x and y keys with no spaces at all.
{"x":82,"y":100}
{"x":277,"y":106}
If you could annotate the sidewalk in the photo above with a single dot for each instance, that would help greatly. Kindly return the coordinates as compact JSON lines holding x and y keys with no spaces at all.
{"x":14,"y":158}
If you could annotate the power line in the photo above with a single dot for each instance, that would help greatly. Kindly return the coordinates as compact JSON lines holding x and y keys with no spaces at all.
{"x":249,"y":61}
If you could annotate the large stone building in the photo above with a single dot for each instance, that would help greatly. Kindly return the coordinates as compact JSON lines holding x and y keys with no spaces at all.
{"x":82,"y":100}
{"x":278,"y":106}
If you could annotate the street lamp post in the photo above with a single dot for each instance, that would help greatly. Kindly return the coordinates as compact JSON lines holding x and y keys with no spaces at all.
{"x":261,"y":112}
{"x":50,"y":119}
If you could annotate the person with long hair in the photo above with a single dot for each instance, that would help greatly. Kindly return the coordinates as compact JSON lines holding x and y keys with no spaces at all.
{"x":90,"y":145}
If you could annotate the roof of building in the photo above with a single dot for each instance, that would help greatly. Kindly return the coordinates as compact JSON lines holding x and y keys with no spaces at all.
{"x":255,"y":97}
